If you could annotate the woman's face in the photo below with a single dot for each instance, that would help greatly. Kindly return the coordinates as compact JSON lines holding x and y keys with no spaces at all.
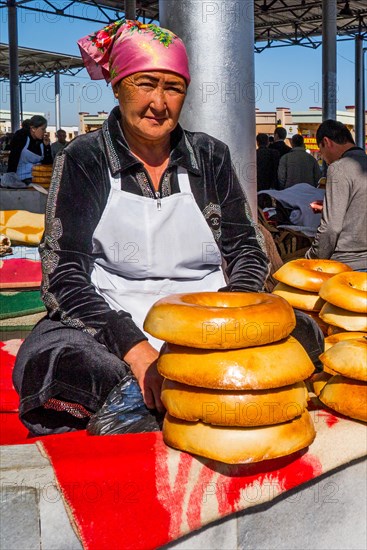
{"x":38,"y":133}
{"x":150,"y":103}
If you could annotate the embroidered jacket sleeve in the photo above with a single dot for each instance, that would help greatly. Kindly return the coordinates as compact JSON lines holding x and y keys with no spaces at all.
{"x":77,"y":198}
{"x":247,"y":266}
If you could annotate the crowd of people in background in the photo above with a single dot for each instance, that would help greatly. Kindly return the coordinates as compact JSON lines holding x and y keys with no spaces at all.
{"x":341,"y":232}
{"x":280,"y":166}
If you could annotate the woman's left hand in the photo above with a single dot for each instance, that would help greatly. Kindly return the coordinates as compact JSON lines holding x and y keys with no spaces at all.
{"x":46,"y":139}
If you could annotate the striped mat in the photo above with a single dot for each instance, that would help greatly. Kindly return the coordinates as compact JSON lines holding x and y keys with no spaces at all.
{"x":18,"y":274}
{"x":19,"y":304}
{"x":23,"y":323}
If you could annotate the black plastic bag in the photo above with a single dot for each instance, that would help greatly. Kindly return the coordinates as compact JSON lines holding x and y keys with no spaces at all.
{"x":124,"y":411}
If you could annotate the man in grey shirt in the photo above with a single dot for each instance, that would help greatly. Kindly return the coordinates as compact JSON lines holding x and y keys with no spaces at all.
{"x":342,"y":233}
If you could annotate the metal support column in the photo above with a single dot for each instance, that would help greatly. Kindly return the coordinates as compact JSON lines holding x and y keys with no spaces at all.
{"x":57,"y":102}
{"x":130,"y":9}
{"x":219,"y":37}
{"x":21,"y":101}
{"x":13,"y":66}
{"x":329,"y":14}
{"x":360,"y":134}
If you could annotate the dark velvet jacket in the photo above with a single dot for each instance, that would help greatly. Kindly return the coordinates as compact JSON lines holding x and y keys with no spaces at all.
{"x":78,"y":196}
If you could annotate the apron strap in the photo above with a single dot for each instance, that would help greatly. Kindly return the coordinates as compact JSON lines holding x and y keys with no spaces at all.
{"x":115,"y":182}
{"x":183,"y":180}
{"x":42,"y":156}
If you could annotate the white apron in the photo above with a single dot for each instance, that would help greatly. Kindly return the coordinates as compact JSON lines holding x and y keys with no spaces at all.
{"x":153,"y":248}
{"x":27,"y":160}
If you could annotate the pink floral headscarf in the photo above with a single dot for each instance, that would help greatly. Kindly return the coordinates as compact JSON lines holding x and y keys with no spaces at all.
{"x":126,"y":47}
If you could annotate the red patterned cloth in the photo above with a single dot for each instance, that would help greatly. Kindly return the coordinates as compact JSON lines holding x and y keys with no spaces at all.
{"x":9,"y":399}
{"x":134,"y":492}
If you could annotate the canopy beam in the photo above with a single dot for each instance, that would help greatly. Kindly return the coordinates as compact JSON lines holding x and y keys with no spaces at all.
{"x":13,"y":66}
{"x":130,"y":9}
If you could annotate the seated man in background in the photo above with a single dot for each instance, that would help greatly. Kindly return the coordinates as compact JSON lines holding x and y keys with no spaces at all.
{"x":267,"y":161}
{"x":298,"y":166}
{"x":342,"y":233}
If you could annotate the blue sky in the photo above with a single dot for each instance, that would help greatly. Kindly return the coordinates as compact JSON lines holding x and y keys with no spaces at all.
{"x":285,"y":77}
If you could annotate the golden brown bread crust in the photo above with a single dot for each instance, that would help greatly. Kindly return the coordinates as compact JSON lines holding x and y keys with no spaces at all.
{"x":233,"y":408}
{"x":348,"y":357}
{"x":42,"y":170}
{"x":332,"y":330}
{"x":271,"y":366}
{"x":309,"y":274}
{"x":347,"y":291}
{"x":341,"y":336}
{"x":342,"y":318}
{"x":318,"y":381}
{"x":346,"y":396}
{"x":41,"y":174}
{"x":220,"y":320}
{"x":239,"y":445}
{"x":300,"y":299}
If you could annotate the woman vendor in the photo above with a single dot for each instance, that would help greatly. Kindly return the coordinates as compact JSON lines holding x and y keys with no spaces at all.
{"x":136,"y":211}
{"x":29,"y":146}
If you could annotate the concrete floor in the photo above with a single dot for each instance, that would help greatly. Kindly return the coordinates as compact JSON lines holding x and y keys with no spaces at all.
{"x":23,"y":199}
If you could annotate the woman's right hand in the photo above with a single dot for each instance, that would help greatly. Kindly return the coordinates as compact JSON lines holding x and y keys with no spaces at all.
{"x":142,"y":360}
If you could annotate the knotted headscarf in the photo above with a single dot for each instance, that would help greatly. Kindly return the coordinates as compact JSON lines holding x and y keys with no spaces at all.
{"x":126,"y":47}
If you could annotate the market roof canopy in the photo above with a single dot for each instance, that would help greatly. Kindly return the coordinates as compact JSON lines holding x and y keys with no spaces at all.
{"x":34,"y":64}
{"x":300,"y":21}
{"x":277,"y":22}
